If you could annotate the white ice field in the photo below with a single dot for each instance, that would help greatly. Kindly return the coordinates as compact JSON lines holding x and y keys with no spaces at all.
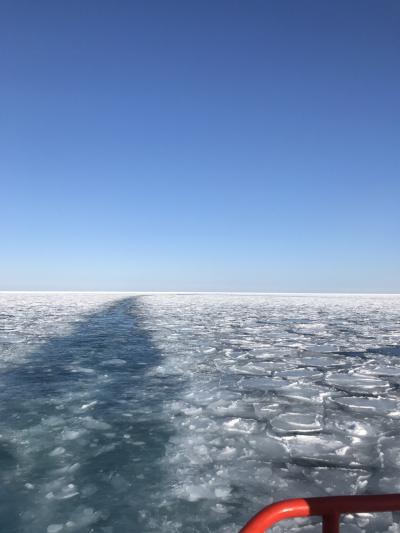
{"x":187,"y":413}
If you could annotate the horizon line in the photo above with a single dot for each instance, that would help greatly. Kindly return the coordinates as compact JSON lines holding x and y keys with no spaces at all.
{"x":266,"y":293}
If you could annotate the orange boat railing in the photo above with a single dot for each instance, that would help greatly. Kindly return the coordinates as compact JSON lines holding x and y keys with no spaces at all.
{"x":330,"y":508}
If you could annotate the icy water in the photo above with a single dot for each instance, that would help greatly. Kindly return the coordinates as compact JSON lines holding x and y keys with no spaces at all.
{"x":187,"y":413}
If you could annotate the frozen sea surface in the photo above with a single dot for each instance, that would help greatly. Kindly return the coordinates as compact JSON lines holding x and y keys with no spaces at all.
{"x":187,"y":413}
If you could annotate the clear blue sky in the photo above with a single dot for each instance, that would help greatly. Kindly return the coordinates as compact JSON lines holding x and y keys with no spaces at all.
{"x":200,"y":145}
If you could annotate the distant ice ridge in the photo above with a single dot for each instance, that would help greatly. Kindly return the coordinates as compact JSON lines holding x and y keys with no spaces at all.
{"x":280,"y":397}
{"x":187,"y":413}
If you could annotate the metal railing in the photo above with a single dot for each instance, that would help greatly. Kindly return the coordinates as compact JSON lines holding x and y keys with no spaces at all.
{"x":330,"y":508}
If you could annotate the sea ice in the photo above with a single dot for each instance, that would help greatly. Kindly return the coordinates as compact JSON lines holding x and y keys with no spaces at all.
{"x":296,"y":423}
{"x":190,"y":412}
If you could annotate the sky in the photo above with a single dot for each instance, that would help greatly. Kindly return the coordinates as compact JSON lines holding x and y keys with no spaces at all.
{"x":200,"y":145}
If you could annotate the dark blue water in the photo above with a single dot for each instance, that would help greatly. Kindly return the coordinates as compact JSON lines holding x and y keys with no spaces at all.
{"x":83,"y":429}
